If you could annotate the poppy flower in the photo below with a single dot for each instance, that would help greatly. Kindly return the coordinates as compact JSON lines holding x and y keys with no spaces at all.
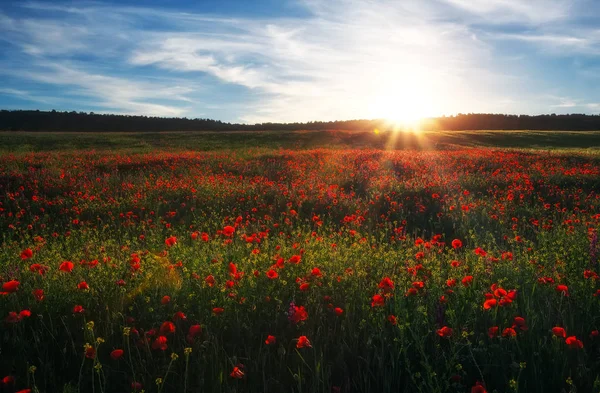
{"x":493,"y":331}
{"x":165,"y":299}
{"x":12,"y":317}
{"x":559,"y":332}
{"x":8,"y":380}
{"x":298,"y":314}
{"x":26,"y":254}
{"x":160,"y":343}
{"x":228,"y":230}
{"x":456,"y":243}
{"x":295,"y":259}
{"x":171,"y":241}
{"x":467,"y":280}
{"x":10,"y":286}
{"x":562,"y":289}
{"x":478,"y":388}
{"x":304,"y":286}
{"x":83,"y":285}
{"x":179,"y":315}
{"x":488,"y":304}
{"x":392,"y":319}
{"x":237,"y":372}
{"x":573,"y":342}
{"x":78,"y":309}
{"x":116,"y":354}
{"x":338,"y":311}
{"x":316,"y":272}
{"x":520,"y":322}
{"x":270,"y":340}
{"x":509,"y":332}
{"x":377,"y":301}
{"x":90,"y":352}
{"x":272,"y":274}
{"x":218,"y":310}
{"x":303,"y":342}
{"x":411,"y":292}
{"x":195,"y":330}
{"x":444,"y":332}
{"x":38,"y":294}
{"x":167,"y":327}
{"x":66,"y":266}
{"x":24,"y":314}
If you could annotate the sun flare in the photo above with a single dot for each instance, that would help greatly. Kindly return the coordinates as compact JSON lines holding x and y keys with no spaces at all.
{"x":402,"y":112}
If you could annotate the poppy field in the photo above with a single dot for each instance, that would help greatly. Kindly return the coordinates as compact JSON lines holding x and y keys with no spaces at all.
{"x":284,"y":270}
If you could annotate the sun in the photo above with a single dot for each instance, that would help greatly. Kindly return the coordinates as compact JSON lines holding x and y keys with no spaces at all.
{"x":402,"y":108}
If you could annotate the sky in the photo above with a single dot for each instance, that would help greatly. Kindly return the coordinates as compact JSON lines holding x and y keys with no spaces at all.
{"x":301,"y":60}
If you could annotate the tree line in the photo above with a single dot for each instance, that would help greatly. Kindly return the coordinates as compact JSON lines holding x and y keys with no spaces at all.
{"x":35,"y":120}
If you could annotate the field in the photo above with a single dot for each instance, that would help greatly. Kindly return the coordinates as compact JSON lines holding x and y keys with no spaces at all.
{"x":300,"y":262}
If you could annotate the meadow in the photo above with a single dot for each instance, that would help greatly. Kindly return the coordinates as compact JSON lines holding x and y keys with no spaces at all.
{"x":300,"y":262}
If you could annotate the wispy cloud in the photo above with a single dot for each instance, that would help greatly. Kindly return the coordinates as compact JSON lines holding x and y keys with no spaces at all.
{"x":347,"y":59}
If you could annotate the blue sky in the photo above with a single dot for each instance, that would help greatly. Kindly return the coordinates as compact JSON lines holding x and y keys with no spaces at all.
{"x":301,"y":60}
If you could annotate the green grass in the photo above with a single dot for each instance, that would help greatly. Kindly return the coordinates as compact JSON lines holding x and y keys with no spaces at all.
{"x":205,"y":141}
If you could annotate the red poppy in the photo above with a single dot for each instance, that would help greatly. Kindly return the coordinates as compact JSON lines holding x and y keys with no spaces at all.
{"x":295,"y":259}
{"x":303,"y":342}
{"x":456,"y":243}
{"x":12,"y":317}
{"x":488,"y":304}
{"x":509,"y":332}
{"x":392,"y":319}
{"x":272,"y":274}
{"x":467,"y":280}
{"x":179,"y":315}
{"x":377,"y":301}
{"x":171,"y":241}
{"x":167,"y":327}
{"x":66,"y":266}
{"x":8,"y":380}
{"x":573,"y":342}
{"x":520,"y":322}
{"x":83,"y":285}
{"x":116,"y":354}
{"x":444,"y":332}
{"x":209,"y":280}
{"x":493,"y":331}
{"x":165,"y":299}
{"x":218,"y":310}
{"x":78,"y":309}
{"x":478,"y":388}
{"x":411,"y":292}
{"x":160,"y":343}
{"x":26,"y":254}
{"x":10,"y":286}
{"x":298,"y":314}
{"x":237,"y":372}
{"x":24,"y":314}
{"x":195,"y":330}
{"x":559,"y":332}
{"x":38,"y":294}
{"x":316,"y":272}
{"x":338,"y":311}
{"x":563,"y":289}
{"x":228,"y":230}
{"x":90,"y":352}
{"x":270,"y":340}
